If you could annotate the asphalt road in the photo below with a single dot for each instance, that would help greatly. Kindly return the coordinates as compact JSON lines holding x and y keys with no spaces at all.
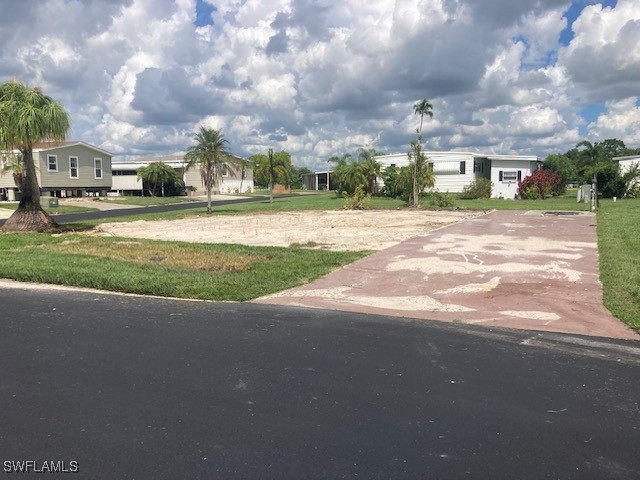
{"x":146,"y":388}
{"x":78,"y":217}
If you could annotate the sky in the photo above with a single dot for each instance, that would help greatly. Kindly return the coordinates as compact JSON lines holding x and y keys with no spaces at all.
{"x":319,"y":78}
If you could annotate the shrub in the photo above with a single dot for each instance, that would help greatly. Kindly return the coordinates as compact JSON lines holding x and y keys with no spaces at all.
{"x":440,"y":199}
{"x":358,"y":201}
{"x":481,"y":188}
{"x":610,"y":182}
{"x":634,"y":190}
{"x":546,"y":182}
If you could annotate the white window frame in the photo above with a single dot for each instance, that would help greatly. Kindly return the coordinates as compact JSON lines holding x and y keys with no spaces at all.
{"x":49,"y":157}
{"x":71,"y":168}
{"x":97,"y":165}
{"x":225,"y":170}
{"x":507,"y":174}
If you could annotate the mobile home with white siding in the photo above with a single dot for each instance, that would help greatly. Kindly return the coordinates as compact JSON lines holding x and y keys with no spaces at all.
{"x":455,"y":170}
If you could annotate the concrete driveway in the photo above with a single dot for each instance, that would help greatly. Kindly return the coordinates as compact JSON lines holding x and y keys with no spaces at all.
{"x":529,"y":270}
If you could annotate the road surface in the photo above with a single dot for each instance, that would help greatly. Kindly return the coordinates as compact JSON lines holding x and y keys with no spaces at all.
{"x":146,"y":388}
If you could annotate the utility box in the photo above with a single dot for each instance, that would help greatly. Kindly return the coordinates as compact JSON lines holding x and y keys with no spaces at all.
{"x":53,"y":201}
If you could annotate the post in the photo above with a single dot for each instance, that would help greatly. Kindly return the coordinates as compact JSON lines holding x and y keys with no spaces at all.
{"x":327,"y":176}
{"x":271,"y":175}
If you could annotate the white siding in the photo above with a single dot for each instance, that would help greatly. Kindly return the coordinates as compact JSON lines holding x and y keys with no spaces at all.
{"x":446,"y":165}
{"x":126,"y":182}
{"x":508,"y":187}
{"x":628,"y":163}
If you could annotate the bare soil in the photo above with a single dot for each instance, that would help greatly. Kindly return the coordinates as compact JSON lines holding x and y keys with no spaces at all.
{"x":334,"y":230}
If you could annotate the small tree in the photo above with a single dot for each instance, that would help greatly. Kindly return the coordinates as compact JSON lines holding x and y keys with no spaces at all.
{"x":372,"y":169}
{"x":158,"y":175}
{"x":28,"y":117}
{"x":422,"y":173}
{"x":211,"y":156}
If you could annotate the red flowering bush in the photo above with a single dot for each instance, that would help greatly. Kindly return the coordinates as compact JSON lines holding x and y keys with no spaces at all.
{"x":541,"y":184}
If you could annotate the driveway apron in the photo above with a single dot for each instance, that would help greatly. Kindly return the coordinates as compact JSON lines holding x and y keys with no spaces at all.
{"x":530,"y":270}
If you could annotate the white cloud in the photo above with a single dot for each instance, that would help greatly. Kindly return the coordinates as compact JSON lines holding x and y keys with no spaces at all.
{"x":319,"y":78}
{"x":621,"y":120}
{"x":604,"y":56}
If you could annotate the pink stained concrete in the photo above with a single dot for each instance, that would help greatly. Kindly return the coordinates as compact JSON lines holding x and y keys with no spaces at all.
{"x":509,"y":269}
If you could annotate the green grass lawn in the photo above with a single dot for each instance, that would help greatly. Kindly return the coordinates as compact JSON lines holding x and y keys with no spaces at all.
{"x":618,"y":229}
{"x":59,"y":210}
{"x":176,"y":269}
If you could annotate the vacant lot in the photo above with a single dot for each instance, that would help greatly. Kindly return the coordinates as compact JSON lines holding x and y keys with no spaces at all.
{"x":333,"y":230}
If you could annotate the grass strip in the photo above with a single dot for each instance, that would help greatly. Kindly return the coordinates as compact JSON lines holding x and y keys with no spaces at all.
{"x":618,"y":226}
{"x":175,"y":269}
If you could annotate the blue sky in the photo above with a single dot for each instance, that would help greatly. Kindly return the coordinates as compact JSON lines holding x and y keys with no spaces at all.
{"x":323,"y":77}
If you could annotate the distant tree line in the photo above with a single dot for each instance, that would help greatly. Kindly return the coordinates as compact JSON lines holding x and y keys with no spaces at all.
{"x":284,"y":172}
{"x":588,"y":160}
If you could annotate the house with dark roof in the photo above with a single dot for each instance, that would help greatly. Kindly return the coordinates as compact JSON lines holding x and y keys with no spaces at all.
{"x":63,"y":169}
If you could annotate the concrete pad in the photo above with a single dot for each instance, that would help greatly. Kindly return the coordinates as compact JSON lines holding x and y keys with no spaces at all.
{"x":529,"y":270}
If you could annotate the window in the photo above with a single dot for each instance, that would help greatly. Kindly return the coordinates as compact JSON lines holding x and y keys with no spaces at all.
{"x":52,"y":163}
{"x":97,"y":164}
{"x":225,"y":170}
{"x":73,"y":167}
{"x":463,"y":168}
{"x":508,"y":177}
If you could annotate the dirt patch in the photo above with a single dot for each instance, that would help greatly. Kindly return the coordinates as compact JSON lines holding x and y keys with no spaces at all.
{"x":331,"y":230}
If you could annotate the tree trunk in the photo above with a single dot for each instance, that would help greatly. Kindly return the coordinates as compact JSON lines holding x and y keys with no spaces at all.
{"x":209,"y":201}
{"x":416,"y":196}
{"x":29,"y":216}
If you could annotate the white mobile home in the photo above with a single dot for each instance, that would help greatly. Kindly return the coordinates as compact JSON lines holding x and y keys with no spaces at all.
{"x":627,"y":163}
{"x":456,"y":170}
{"x":235,"y":179}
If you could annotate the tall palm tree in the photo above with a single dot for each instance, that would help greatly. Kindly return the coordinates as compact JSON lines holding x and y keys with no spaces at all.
{"x":28,"y":117}
{"x":591,"y":151}
{"x":422,"y":108}
{"x":422,"y":173}
{"x":211,"y":156}
{"x":243,"y":164}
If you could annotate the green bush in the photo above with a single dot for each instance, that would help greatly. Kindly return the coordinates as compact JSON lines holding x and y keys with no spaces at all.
{"x":440,"y":199}
{"x":358,"y":201}
{"x":531,"y":193}
{"x":481,"y":188}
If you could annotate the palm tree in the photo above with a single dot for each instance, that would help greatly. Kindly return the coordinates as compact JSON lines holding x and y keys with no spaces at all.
{"x":350,"y":174}
{"x":422,"y":108}
{"x":243,"y":164}
{"x":422,"y":173}
{"x":211,"y":155}
{"x":372,"y":168}
{"x":158,"y":174}
{"x":28,"y":117}
{"x":591,"y":152}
